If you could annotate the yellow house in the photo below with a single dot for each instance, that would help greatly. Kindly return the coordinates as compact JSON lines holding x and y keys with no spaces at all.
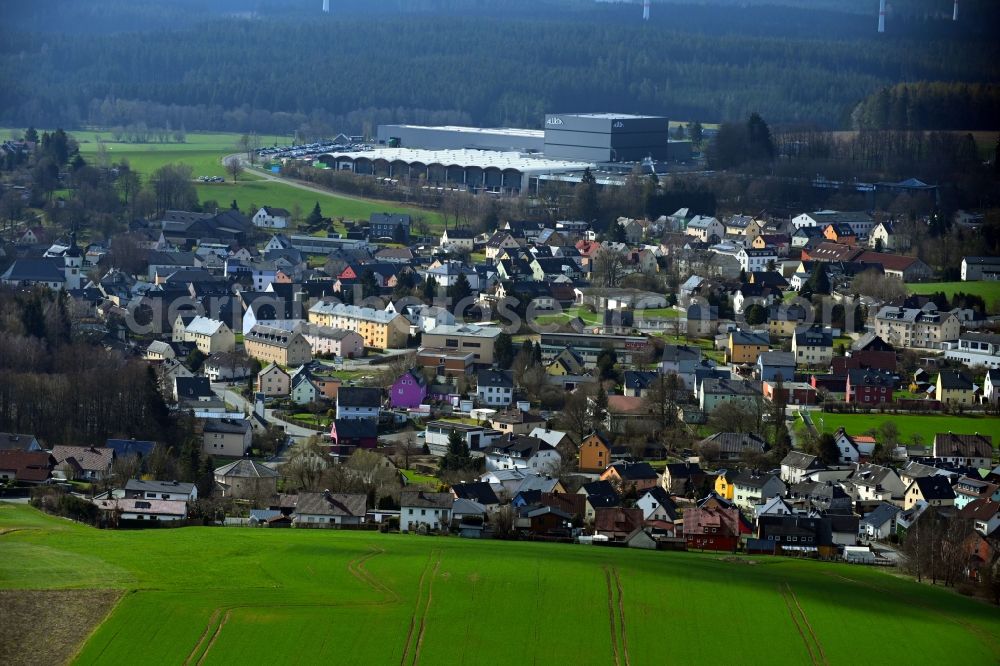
{"x":565,"y":363}
{"x":380,"y":329}
{"x":595,"y":453}
{"x":724,"y":484}
{"x":954,"y":388}
{"x":746,"y":346}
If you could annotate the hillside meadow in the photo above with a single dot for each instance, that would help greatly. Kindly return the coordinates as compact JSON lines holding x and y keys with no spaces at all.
{"x":230,"y":595}
{"x":204,"y":152}
{"x":925,"y":425}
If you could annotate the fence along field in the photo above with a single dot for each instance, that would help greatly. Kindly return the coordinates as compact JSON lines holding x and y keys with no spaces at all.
{"x":216,"y":595}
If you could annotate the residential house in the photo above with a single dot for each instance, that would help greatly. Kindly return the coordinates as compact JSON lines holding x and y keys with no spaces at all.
{"x":268,"y":217}
{"x":911,"y":327}
{"x":733,"y":446}
{"x":682,"y":478}
{"x":991,"y":387}
{"x":702,"y":320}
{"x":349,"y":435}
{"x":83,"y":463}
{"x":954,"y":388}
{"x":974,"y":450}
{"x":272,"y":380}
{"x":879,"y":523}
{"x":775,"y":365}
{"x":11,"y":441}
{"x":600,"y":495}
{"x":125,"y":448}
{"x":715,"y":392}
{"x":869,"y":387}
{"x":495,"y":388}
{"x":26,"y":467}
{"x":226,"y":437}
{"x":840,"y":233}
{"x":713,"y":527}
{"x":246,"y":479}
{"x":130,"y":511}
{"x":746,"y":346}
{"x":526,"y":453}
{"x":968,"y":490}
{"x":328,"y":509}
{"x":379,"y":329}
{"x":390,"y":226}
{"x":271,"y":344}
{"x":458,"y":240}
{"x":356,"y":402}
{"x":931,"y":490}
{"x":418,"y":508}
{"x":409,"y":390}
{"x":151,"y":489}
{"x":595,"y":453}
{"x":705,"y":229}
{"x":753,"y":487}
{"x":853,"y":449}
{"x":193,"y":390}
{"x":480,"y":492}
{"x":796,"y":466}
{"x":211,"y":336}
{"x":886,"y":236}
{"x":517,"y":422}
{"x":812,"y":346}
{"x":464,"y":338}
{"x":984,"y":514}
{"x":657,"y":505}
{"x":617,"y":523}
{"x":636,"y":476}
{"x":339,"y":342}
{"x":227,"y":366}
{"x":753,"y":260}
{"x":724,"y":487}
{"x":980,"y":268}
{"x":304,"y":390}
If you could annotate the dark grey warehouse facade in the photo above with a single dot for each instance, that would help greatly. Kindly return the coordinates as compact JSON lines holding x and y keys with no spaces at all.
{"x":606,"y":137}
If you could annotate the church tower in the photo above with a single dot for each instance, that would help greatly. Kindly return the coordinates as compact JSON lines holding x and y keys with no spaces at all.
{"x":73,"y":264}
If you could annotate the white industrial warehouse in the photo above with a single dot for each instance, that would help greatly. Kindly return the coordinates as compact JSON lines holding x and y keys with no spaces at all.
{"x":477,"y":170}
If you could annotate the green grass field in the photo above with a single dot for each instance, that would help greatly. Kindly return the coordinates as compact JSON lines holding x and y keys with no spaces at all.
{"x":910,"y":424}
{"x":989,"y":290}
{"x":204,"y":153}
{"x":269,"y":596}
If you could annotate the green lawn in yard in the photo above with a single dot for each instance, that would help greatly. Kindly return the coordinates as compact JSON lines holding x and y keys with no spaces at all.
{"x":656,"y":313}
{"x":417,"y":477}
{"x":273,"y":596}
{"x":926,"y":425}
{"x":989,"y":290}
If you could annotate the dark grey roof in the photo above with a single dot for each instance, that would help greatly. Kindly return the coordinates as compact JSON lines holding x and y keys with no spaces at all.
{"x":954,"y":381}
{"x":229,"y":426}
{"x":935,"y":488}
{"x":478,"y":491}
{"x":601,"y":494}
{"x":192,"y":388}
{"x":139,"y":485}
{"x":421,"y":499}
{"x":35,"y":270}
{"x":332,"y":504}
{"x":799,"y":460}
{"x":495,"y":378}
{"x":357,"y":396}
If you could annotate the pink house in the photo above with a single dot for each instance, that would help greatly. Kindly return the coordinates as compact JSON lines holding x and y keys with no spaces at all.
{"x":409,"y":390}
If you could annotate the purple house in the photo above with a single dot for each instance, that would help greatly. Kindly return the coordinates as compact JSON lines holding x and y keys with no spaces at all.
{"x":409,"y":390}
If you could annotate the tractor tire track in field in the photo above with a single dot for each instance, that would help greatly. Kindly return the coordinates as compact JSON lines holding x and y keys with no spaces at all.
{"x":215,"y":636}
{"x":204,"y":635}
{"x":355,"y":567}
{"x":419,"y":614}
{"x":423,"y":619}
{"x":816,"y":654}
{"x":616,"y":616}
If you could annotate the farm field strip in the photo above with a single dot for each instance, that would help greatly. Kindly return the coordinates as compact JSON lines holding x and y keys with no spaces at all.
{"x":224,"y":595}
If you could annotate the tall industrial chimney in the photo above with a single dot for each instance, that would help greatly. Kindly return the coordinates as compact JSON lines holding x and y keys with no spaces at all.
{"x":881,"y":15}
{"x":326,"y":6}
{"x":645,"y":10}
{"x":954,"y":12}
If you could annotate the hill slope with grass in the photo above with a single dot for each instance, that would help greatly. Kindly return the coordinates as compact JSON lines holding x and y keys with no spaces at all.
{"x":216,"y":595}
